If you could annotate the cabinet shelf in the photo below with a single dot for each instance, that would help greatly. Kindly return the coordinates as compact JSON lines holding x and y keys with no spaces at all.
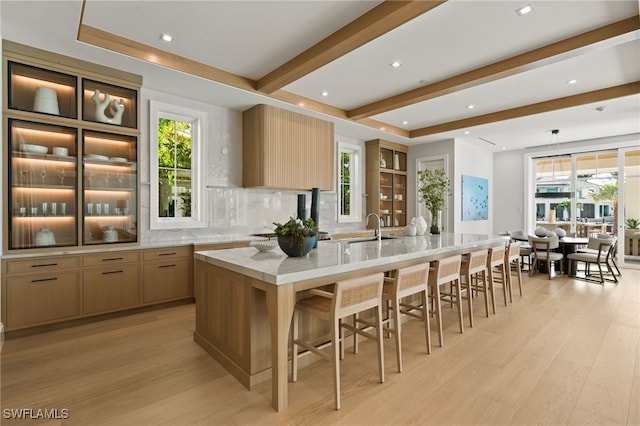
{"x":386,"y":179}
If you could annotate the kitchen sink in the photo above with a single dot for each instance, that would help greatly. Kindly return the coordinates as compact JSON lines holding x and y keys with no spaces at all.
{"x":367,"y":239}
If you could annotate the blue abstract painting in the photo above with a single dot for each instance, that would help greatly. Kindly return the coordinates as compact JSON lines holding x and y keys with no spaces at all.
{"x":475,"y":198}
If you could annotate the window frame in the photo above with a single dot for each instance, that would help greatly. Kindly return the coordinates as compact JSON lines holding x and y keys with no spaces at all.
{"x":357,"y":157}
{"x":198,"y":120}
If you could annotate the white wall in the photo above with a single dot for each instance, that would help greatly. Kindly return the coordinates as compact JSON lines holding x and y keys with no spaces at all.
{"x":472,"y":158}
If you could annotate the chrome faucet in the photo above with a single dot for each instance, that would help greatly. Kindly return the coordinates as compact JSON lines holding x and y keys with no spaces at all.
{"x":378,"y":231}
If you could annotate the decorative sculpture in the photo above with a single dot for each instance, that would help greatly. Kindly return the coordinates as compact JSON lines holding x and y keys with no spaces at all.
{"x":114,"y":108}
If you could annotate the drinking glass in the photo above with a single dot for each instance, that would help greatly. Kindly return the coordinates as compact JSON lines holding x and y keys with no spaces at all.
{"x":54,"y":209}
{"x":89,"y":209}
{"x":45,"y":208}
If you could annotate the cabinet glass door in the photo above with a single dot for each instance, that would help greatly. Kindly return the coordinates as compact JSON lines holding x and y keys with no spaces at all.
{"x":42,"y":185}
{"x":110,"y":181}
{"x":399,"y":200}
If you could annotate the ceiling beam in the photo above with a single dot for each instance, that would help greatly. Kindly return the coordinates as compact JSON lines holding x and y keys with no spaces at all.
{"x":603,"y":37}
{"x":537,"y":108}
{"x":378,"y":21}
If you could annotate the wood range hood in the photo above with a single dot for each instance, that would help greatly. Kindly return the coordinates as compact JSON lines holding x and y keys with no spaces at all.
{"x":286,"y":150}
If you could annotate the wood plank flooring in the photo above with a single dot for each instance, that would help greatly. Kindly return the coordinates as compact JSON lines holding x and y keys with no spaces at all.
{"x":567,"y":353}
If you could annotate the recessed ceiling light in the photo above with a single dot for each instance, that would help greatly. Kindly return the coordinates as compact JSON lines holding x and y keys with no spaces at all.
{"x":166,"y":37}
{"x":470,"y":106}
{"x":467,"y":132}
{"x":525,"y":9}
{"x":504,"y":148}
{"x":395,"y":64}
{"x":572,"y":81}
{"x":405,"y":122}
{"x":325,"y":93}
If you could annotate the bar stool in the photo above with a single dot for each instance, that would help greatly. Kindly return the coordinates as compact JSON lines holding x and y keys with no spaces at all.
{"x":495,"y":264}
{"x":512,"y":255}
{"x":474,"y":272}
{"x":406,"y":282}
{"x":349,"y":297}
{"x":442,"y":272}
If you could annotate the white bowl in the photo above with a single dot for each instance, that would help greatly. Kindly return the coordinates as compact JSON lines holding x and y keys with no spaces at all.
{"x":264,"y":245}
{"x":96,"y":157}
{"x":118,"y":159}
{"x":34,"y":149}
{"x":59,"y":150}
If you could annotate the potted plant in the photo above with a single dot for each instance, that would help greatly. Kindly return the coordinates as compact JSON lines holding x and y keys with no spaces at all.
{"x":296,"y":237}
{"x":433,"y":186}
{"x":632,"y":223}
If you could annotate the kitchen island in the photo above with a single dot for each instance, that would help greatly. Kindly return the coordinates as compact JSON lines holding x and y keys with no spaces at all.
{"x":245,"y":298}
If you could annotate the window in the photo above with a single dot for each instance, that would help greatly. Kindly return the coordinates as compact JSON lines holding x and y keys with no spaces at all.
{"x":176,"y":156}
{"x":349,"y":182}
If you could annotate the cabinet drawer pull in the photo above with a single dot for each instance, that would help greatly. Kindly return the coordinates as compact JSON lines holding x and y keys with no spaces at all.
{"x":109,"y":259}
{"x":41,"y":280}
{"x":167,"y":254}
{"x":112,"y":272}
{"x":44,"y":265}
{"x":168,"y":266}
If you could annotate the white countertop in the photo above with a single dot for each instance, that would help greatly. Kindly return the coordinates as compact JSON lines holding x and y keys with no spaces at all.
{"x":333,"y":257}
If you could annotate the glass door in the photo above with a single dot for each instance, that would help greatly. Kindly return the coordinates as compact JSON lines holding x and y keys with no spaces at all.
{"x":629,"y":210}
{"x":42,"y":185}
{"x":110,"y":182}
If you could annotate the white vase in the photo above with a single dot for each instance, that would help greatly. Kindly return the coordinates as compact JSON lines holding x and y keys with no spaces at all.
{"x":421,"y":225}
{"x":45,"y":237}
{"x":410,"y":230}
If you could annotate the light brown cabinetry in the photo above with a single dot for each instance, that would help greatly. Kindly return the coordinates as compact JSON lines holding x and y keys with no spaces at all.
{"x":387,"y":182}
{"x":48,"y":289}
{"x":71,"y":143}
{"x":286,"y":150}
{"x":111,"y":282}
{"x":167,"y":274}
{"x":38,"y":291}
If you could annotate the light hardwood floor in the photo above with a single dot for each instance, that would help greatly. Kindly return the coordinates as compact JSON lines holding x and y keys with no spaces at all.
{"x":568,"y":352}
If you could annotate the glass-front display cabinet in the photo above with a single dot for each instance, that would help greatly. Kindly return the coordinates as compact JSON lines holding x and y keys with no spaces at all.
{"x":42,"y":185}
{"x":70,"y":148}
{"x":109,"y":182}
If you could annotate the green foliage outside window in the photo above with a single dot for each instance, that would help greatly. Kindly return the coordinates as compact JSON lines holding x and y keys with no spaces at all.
{"x":174,"y":168}
{"x":345,"y":183}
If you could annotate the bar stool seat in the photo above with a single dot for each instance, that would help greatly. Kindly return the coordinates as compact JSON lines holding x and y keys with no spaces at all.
{"x":496,"y":265}
{"x":512,"y":256}
{"x":473,"y":273}
{"x":442,"y":272}
{"x":409,"y":281}
{"x":349,"y":297}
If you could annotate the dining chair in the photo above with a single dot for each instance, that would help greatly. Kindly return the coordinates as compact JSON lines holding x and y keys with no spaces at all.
{"x":542,"y":252}
{"x":592,"y":247}
{"x":599,"y":257}
{"x":445,"y":272}
{"x":404,"y":283}
{"x":348,"y":298}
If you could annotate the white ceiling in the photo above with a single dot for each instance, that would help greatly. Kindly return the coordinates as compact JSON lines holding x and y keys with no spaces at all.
{"x":253,"y":38}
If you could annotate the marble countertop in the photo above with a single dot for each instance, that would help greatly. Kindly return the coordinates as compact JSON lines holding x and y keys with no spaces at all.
{"x":339,"y":256}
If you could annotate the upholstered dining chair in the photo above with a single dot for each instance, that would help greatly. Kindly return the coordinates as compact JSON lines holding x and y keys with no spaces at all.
{"x":348,"y":298}
{"x":542,"y":252}
{"x":598,"y":257}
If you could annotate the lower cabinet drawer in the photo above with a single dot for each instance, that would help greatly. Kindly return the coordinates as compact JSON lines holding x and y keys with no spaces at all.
{"x":167,"y":280}
{"x":111,"y":289}
{"x":41,"y":298}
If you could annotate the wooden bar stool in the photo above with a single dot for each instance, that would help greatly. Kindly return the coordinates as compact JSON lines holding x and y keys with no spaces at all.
{"x":473,"y":273}
{"x":495,"y":264}
{"x":442,"y":272}
{"x":349,"y":297}
{"x":512,"y":256}
{"x":406,"y":282}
